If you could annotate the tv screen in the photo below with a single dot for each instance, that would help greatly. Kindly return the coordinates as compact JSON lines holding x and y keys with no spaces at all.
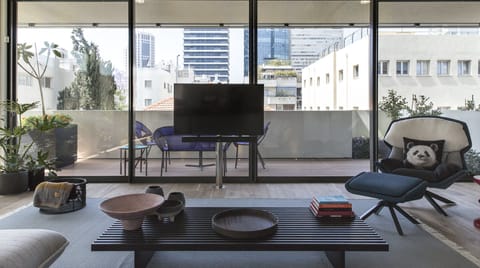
{"x":218,"y":109}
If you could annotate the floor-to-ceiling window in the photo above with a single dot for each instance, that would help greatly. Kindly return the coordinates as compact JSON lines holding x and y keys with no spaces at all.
{"x":72,"y":62}
{"x":428,"y":64}
{"x":313,"y":61}
{"x":185,"y":42}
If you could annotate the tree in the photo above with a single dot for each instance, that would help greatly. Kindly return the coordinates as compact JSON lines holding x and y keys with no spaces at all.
{"x":393,"y":104}
{"x":30,"y":62}
{"x":94,"y":87}
{"x":422,"y":106}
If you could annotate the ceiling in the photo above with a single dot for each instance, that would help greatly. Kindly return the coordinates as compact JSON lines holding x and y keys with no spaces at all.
{"x":235,"y":12}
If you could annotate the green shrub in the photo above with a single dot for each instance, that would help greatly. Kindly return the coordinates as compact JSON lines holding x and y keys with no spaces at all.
{"x":472,"y":159}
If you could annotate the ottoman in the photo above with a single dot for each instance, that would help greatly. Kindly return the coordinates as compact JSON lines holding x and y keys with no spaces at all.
{"x":391,"y":189}
{"x":30,"y":248}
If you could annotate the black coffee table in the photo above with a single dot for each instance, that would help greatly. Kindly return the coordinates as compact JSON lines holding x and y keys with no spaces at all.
{"x":298,"y":229}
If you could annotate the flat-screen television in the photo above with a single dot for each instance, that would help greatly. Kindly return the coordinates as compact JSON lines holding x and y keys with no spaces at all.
{"x":218,"y":109}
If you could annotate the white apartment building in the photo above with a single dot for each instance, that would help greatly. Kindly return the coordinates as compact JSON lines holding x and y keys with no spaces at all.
{"x":59,"y":74}
{"x":443,"y":67}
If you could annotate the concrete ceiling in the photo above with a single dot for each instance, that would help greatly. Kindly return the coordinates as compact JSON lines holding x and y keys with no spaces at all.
{"x":235,"y":12}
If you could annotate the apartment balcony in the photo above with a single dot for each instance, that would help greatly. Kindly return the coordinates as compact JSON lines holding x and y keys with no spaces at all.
{"x":298,"y":144}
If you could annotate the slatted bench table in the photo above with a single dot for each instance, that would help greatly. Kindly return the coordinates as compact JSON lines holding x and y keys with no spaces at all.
{"x":298,"y":230}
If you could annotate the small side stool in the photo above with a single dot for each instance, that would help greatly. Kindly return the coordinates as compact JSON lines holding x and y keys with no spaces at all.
{"x":391,"y":189}
{"x":143,"y":157}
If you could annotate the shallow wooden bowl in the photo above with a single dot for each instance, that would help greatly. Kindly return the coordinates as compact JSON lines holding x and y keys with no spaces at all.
{"x":131,"y":209}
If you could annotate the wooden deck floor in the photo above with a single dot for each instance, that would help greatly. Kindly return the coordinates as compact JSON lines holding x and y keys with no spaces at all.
{"x":273,"y":168}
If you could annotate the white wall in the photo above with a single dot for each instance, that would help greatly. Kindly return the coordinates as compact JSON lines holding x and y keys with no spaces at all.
{"x":444,"y":91}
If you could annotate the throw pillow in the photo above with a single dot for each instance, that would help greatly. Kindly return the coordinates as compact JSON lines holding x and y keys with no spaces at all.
{"x":422,"y":154}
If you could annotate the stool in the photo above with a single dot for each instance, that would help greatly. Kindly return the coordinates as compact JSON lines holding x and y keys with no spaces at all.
{"x":143,"y":157}
{"x":391,"y":189}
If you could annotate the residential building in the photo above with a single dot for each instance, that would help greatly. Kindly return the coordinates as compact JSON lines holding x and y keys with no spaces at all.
{"x":273,"y":44}
{"x":307,"y":44}
{"x":406,"y":64}
{"x":205,"y":50}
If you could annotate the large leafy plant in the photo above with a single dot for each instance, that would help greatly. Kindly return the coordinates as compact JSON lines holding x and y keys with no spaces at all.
{"x":14,"y":153}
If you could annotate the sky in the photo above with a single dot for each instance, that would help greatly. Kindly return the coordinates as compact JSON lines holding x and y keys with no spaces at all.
{"x":112,"y":43}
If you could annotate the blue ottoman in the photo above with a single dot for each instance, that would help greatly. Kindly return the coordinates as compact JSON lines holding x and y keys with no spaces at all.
{"x":391,"y":189}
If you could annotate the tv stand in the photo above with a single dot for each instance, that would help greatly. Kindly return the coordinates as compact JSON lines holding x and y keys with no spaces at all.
{"x":219,"y":151}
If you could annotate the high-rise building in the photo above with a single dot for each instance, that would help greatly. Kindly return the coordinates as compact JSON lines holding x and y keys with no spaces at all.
{"x":273,"y":44}
{"x":206,"y":51}
{"x":308,"y":43}
{"x":145,"y":50}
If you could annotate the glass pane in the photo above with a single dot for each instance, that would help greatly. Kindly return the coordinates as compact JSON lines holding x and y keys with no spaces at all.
{"x":313,"y":61}
{"x":446,"y":36}
{"x":72,"y":63}
{"x":186,"y":42}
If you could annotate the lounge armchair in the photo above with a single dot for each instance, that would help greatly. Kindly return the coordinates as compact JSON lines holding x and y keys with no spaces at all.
{"x":436,"y":131}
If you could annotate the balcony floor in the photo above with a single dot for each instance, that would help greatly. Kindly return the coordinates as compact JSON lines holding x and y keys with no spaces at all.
{"x":273,"y":168}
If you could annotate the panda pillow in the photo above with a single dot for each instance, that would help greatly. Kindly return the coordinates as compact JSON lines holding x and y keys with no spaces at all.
{"x":422,"y":154}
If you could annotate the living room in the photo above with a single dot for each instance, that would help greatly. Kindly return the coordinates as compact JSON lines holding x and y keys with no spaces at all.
{"x":323,"y":109}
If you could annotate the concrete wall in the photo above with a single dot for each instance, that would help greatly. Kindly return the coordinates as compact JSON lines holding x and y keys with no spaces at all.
{"x":292,"y":134}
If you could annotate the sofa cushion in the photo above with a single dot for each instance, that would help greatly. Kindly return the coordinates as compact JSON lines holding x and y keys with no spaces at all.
{"x":24,"y":248}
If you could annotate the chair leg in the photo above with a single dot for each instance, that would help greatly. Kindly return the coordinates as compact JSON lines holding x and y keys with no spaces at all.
{"x":395,"y":220}
{"x":261,"y":159}
{"x":369,"y":212}
{"x":441,"y":198}
{"x":434,"y":204}
{"x":405,"y":214}
{"x":236,"y":156}
{"x":161,"y":166}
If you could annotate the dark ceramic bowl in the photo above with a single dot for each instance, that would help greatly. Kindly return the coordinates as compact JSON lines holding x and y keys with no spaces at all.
{"x":169,"y":209}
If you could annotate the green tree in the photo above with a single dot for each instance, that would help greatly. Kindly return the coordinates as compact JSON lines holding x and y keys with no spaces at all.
{"x":393,"y":104}
{"x":422,"y":106}
{"x":94,"y":86}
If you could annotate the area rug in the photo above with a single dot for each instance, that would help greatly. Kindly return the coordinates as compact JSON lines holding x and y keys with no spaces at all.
{"x":417,"y":248}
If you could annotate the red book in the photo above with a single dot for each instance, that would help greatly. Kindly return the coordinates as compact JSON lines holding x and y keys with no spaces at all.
{"x":343,"y":213}
{"x":331,"y":207}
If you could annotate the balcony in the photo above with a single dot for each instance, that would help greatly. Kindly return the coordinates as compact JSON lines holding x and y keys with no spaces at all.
{"x":298,"y":144}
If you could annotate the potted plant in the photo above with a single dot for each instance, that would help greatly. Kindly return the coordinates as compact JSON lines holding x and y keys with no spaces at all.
{"x":13,"y":174}
{"x":55,"y":135}
{"x":37,"y":166}
{"x":51,"y":133}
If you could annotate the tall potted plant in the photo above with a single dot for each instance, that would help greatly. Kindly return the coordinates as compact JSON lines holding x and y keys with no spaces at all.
{"x":13,"y":174}
{"x":51,"y":133}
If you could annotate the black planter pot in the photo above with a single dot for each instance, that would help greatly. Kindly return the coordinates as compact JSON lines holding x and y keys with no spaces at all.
{"x":35,"y":177}
{"x":13,"y":183}
{"x":60,"y":143}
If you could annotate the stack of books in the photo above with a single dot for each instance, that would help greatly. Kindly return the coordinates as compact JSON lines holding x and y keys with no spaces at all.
{"x":331,"y":206}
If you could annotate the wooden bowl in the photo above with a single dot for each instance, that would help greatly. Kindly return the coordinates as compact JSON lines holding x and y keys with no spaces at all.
{"x":131,"y":209}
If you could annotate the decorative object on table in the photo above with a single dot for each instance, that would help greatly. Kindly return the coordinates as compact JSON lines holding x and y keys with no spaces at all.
{"x":335,"y":206}
{"x":169,"y":209}
{"x":476,"y":222}
{"x":131,"y":209}
{"x":60,"y":195}
{"x":154,"y":189}
{"x":177,"y":196}
{"x":245,"y":223}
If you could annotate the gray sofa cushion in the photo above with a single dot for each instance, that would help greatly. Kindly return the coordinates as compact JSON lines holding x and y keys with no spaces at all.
{"x":24,"y":248}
